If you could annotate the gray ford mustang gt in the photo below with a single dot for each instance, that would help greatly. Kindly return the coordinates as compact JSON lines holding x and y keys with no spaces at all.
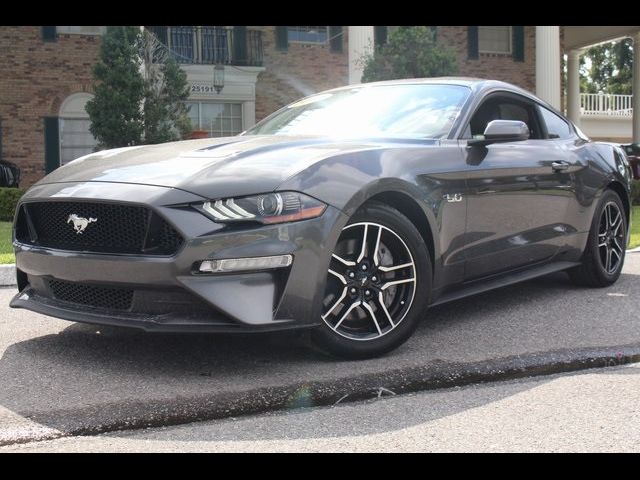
{"x":348,"y":213}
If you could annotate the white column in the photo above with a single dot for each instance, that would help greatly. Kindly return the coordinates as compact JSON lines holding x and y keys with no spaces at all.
{"x":573,"y":86}
{"x":360,"y":43}
{"x":548,"y":64}
{"x":248,"y":114}
{"x":636,"y":88}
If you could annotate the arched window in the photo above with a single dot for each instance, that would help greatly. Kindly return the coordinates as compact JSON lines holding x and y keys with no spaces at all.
{"x":75,"y":138}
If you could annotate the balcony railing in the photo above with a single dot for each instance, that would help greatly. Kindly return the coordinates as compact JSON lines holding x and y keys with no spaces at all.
{"x":212,"y":45}
{"x":606,"y":104}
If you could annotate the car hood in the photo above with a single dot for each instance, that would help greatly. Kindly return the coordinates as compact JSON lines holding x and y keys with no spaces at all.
{"x":212,"y":168}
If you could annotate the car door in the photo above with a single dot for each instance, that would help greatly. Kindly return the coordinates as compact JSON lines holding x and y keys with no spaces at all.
{"x":517,"y":194}
{"x":576,"y":150}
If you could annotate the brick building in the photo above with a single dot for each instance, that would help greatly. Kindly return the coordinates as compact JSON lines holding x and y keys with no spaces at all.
{"x":41,"y":73}
{"x":46,"y":72}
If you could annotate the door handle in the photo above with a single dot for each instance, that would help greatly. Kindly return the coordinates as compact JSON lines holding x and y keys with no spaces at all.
{"x":559,"y":166}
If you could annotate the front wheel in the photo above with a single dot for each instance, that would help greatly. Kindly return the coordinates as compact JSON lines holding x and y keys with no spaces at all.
{"x":604,"y":255}
{"x":378,"y":285}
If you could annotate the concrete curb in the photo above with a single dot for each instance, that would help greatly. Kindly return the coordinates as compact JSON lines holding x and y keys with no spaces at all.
{"x":7,"y":275}
{"x":438,"y":374}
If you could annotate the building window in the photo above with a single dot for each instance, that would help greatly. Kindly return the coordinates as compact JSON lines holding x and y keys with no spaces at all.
{"x":75,"y":138}
{"x":182,"y":42}
{"x":307,"y":34}
{"x":219,"y":119}
{"x":90,"y":30}
{"x":494,"y":40}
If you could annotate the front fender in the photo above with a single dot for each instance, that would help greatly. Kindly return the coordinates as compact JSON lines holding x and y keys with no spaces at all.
{"x":346,"y":182}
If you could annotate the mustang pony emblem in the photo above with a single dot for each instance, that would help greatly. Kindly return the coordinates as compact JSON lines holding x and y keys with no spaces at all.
{"x":80,"y":223}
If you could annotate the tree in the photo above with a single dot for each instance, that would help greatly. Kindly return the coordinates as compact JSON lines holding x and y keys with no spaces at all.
{"x":116,"y":117}
{"x":166,"y":88}
{"x":139,"y":91}
{"x":607,"y":68}
{"x":410,"y":52}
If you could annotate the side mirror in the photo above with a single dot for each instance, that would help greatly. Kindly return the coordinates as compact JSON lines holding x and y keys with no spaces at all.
{"x":502,"y":131}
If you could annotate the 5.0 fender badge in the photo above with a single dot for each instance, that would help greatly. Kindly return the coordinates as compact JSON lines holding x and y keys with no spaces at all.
{"x":455,"y":197}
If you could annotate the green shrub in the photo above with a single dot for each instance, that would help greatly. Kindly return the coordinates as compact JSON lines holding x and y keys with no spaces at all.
{"x":635,"y":192}
{"x":8,"y":200}
{"x":410,"y":52}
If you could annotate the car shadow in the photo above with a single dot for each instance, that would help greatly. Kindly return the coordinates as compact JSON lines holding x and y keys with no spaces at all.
{"x":495,"y":301}
{"x":83,"y":373}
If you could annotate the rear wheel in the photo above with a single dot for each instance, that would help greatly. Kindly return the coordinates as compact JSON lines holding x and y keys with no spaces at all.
{"x":378,"y":284}
{"x":604,"y":255}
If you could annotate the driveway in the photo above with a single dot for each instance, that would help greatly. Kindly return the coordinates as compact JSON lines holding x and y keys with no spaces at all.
{"x":60,"y":378}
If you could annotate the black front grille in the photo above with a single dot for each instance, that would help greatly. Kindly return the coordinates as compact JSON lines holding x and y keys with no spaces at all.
{"x":99,"y":297}
{"x":108,"y":228}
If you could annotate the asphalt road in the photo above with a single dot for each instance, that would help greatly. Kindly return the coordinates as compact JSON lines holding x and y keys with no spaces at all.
{"x":587,"y":412}
{"x":59,"y":378}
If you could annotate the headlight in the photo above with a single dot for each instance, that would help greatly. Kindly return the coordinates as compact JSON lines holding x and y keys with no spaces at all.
{"x":268,"y":208}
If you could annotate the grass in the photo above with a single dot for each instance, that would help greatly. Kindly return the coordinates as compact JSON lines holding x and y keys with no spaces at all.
{"x":635,"y":227}
{"x":6,"y":249}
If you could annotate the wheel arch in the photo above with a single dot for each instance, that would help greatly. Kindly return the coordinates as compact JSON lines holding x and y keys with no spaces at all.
{"x":408,"y":206}
{"x":624,"y":196}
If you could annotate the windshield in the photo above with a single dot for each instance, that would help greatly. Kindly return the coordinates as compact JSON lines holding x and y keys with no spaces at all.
{"x":408,"y":110}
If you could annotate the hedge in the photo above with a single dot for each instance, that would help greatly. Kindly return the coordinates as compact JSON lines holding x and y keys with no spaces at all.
{"x":8,"y":200}
{"x":635,"y":192}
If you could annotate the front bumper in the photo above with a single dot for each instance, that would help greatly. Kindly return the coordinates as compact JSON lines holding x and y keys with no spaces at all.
{"x":167,"y":294}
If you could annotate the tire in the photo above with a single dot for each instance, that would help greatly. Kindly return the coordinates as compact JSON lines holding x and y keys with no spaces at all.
{"x":594,"y":270}
{"x":373,"y":303}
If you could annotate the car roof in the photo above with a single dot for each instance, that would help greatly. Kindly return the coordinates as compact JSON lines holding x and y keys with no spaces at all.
{"x":463,"y":81}
{"x":477,"y":85}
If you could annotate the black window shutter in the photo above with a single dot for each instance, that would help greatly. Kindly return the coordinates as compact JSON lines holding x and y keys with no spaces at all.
{"x":472,"y":42}
{"x":282,"y":38}
{"x":518,"y":44}
{"x":380,"y":36}
{"x":49,"y":34}
{"x":240,"y":45}
{"x":51,"y":144}
{"x":335,"y":39}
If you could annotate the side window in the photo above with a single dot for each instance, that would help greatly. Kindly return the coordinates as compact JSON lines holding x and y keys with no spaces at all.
{"x":556,"y":126}
{"x":499,"y":108}
{"x":511,"y":111}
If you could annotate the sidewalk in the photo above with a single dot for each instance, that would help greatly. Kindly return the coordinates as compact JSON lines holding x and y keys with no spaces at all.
{"x":7,"y":275}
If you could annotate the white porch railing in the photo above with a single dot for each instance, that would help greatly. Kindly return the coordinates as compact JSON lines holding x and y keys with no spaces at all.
{"x":606,"y":104}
